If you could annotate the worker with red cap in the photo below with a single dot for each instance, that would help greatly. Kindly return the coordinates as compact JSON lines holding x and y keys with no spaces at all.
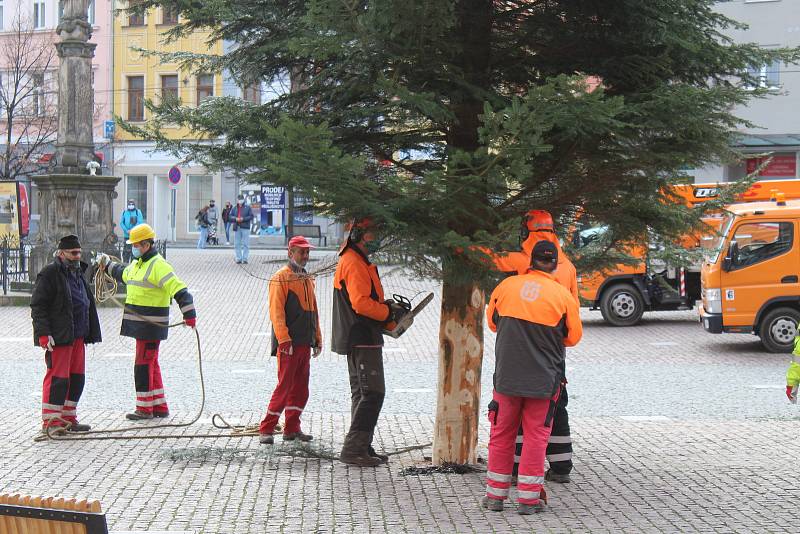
{"x":296,"y":333}
{"x":537,"y":226}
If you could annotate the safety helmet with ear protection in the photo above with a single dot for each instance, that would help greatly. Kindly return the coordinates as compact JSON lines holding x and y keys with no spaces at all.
{"x":356,"y":229}
{"x":535,"y":221}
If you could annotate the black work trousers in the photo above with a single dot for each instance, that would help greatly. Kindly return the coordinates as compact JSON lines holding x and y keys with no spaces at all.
{"x":367,"y":388}
{"x":559,"y":446}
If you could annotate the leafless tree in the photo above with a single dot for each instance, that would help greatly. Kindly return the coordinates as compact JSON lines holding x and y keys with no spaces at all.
{"x":28,"y":98}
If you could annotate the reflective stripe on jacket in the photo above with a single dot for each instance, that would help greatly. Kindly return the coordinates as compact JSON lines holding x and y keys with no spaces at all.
{"x":151,"y":285}
{"x":535,"y":317}
{"x":293,"y":309}
{"x":359,"y":313}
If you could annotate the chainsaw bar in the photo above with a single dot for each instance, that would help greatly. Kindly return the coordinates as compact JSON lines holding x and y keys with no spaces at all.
{"x":408,"y":319}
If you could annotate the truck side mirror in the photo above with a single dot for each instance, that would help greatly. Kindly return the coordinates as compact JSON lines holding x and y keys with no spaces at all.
{"x":732,"y":258}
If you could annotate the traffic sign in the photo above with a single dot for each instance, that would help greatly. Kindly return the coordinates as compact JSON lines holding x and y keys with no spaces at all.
{"x":174,"y":175}
{"x":109,"y":127}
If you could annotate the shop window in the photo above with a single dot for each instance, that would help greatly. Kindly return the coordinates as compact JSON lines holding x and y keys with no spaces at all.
{"x":137,"y":190}
{"x":199,"y":191}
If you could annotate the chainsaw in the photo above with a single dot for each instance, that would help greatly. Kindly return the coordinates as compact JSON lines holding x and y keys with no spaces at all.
{"x":405,"y":322}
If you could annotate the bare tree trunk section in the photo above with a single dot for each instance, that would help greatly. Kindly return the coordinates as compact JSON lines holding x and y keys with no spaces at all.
{"x":455,"y":436}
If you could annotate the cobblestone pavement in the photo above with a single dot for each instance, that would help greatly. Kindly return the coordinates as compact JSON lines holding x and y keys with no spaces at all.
{"x":674,"y":429}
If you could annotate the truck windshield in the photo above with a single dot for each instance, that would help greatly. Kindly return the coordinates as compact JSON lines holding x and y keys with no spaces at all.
{"x":717,"y":241}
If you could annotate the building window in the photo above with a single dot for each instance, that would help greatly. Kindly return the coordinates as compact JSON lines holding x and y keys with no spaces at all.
{"x":200,"y":190}
{"x":137,"y":190}
{"x":38,"y":102}
{"x":169,"y":15}
{"x":205,"y":87}
{"x":252,"y":93}
{"x":38,"y":14}
{"x":136,"y":19}
{"x":1,"y":15}
{"x":135,"y":98}
{"x":169,"y":87}
{"x":765,"y":75}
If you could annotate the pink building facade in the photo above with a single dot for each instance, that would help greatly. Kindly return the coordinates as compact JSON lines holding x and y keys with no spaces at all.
{"x":42,"y":17}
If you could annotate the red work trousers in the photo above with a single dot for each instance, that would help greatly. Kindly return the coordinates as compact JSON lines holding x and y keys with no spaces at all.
{"x":533,"y":415}
{"x":291,"y":393}
{"x":63,"y":383}
{"x":147,"y":378}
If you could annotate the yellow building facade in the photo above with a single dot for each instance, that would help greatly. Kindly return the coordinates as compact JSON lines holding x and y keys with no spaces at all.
{"x":170,"y":208}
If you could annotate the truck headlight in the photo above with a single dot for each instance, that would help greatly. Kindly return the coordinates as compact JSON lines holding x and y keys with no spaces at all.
{"x":712,"y":300}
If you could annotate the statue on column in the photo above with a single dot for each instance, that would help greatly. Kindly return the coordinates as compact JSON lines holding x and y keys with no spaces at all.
{"x":74,"y":23}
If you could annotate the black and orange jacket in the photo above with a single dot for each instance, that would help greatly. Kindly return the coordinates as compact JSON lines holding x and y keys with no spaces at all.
{"x":535,"y":318}
{"x":519,"y":262}
{"x":359,"y":314}
{"x":293,"y":309}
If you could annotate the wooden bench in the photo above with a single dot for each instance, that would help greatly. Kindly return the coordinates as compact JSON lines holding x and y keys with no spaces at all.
{"x":311,"y":231}
{"x":34,"y":515}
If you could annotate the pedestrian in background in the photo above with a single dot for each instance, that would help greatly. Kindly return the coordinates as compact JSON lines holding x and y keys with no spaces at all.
{"x":295,"y":334}
{"x":535,"y":318}
{"x":226,"y":219}
{"x":242,"y":216}
{"x":212,"y":216}
{"x":151,"y":285}
{"x":64,"y":321}
{"x":130,"y":218}
{"x":202,"y":225}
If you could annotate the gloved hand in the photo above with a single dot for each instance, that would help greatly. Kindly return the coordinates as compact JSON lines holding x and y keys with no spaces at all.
{"x":102,"y":260}
{"x":285,"y":348}
{"x":47,"y":342}
{"x":396,"y":311}
{"x":191,"y":323}
{"x":790,"y":393}
{"x":317,"y":351}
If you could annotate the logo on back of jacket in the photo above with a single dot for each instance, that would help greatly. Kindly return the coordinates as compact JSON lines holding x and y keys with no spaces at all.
{"x":530,"y":291}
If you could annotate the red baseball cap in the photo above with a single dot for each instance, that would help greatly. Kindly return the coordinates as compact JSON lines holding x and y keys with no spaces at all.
{"x":300,"y":242}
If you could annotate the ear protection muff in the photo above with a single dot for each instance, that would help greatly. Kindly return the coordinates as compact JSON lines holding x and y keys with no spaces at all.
{"x":356,"y":233}
{"x":524,"y":231}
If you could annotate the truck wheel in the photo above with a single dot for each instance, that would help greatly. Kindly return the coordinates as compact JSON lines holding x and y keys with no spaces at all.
{"x":622,"y":305}
{"x":778,"y":329}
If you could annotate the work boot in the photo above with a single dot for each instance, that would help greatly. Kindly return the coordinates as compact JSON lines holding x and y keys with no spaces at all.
{"x":552,"y":476}
{"x":78,"y":427}
{"x":161,"y":414}
{"x":138,"y":415}
{"x":266,"y":439}
{"x":291,"y":436}
{"x":356,"y":451}
{"x":530,"y":509}
{"x":494,"y":505}
{"x":382,"y":457}
{"x":54,"y":430}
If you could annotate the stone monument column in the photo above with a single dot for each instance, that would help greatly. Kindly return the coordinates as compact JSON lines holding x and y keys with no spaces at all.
{"x":71,"y":200}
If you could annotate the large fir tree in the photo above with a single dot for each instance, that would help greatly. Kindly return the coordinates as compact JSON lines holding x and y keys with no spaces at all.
{"x":448,"y":119}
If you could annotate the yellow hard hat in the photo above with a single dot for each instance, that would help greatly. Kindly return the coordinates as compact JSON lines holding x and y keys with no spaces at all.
{"x":140,"y":232}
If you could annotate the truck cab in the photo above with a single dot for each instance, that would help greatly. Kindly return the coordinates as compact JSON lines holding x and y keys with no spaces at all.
{"x":750,"y":282}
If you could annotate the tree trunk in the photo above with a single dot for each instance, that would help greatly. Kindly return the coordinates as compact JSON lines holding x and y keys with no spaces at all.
{"x":460,"y":358}
{"x":461,"y":325}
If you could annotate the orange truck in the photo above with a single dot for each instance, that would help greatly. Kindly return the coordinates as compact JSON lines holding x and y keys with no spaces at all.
{"x":625,"y":292}
{"x":750,"y":282}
